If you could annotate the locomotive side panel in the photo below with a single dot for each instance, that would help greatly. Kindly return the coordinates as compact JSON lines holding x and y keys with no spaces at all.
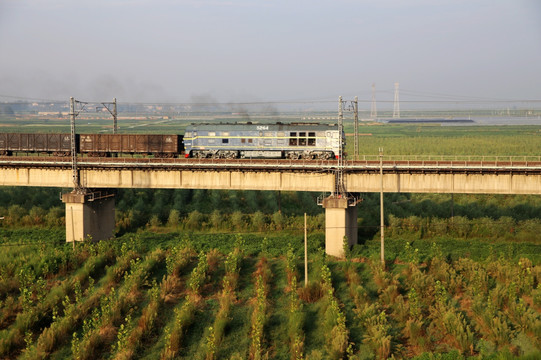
{"x":262,"y":140}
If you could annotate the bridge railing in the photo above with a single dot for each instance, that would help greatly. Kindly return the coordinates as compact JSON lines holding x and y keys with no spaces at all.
{"x":469,"y":158}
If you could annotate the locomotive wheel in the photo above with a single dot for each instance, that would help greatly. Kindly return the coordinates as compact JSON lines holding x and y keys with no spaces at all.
{"x":293,"y":155}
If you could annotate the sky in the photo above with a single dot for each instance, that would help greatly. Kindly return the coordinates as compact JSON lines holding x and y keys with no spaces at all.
{"x":262,"y":50}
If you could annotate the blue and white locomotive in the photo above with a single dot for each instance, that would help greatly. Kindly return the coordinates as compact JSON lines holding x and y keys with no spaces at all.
{"x":248,"y":140}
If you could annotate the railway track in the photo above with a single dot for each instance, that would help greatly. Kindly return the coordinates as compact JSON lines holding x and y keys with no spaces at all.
{"x":505,"y":165}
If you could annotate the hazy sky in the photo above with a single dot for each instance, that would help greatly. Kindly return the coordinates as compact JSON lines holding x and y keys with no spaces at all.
{"x":241,"y":50}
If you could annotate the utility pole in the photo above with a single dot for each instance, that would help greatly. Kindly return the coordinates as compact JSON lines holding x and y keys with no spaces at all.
{"x":114,"y":116}
{"x":75,"y":172}
{"x":382,"y":222}
{"x":305,"y":253}
{"x":113,"y":113}
{"x":339,"y":185}
{"x":356,"y":127}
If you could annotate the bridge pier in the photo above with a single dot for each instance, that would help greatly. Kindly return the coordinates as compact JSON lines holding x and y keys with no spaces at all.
{"x":89,"y":215}
{"x":340,"y":221}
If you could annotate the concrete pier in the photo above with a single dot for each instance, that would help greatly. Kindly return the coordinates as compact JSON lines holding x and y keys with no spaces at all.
{"x":340,"y":221}
{"x":89,"y":215}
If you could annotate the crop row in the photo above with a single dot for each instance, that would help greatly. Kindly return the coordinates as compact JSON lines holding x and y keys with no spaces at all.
{"x":127,"y":302}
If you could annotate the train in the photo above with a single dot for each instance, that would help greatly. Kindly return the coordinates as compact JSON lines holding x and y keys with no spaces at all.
{"x":219,"y":140}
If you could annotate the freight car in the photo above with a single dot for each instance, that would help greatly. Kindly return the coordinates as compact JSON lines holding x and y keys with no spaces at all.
{"x":55,"y":144}
{"x":291,"y":141}
{"x":162,"y":146}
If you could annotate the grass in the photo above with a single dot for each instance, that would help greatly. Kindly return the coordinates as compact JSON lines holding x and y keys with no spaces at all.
{"x":447,"y":140}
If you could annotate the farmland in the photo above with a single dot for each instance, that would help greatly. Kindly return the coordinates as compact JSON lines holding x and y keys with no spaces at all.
{"x":164,"y":296}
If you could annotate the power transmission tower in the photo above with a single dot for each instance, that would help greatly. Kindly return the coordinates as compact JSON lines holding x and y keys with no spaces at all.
{"x":373,"y":108}
{"x":396,"y":110}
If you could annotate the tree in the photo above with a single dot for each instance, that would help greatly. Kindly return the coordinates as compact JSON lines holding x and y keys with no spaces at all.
{"x":174,"y":218}
{"x":216,"y":219}
{"x":237,"y":220}
{"x":258,"y":221}
{"x":15,"y":213}
{"x":195,"y":220}
{"x":154,"y":221}
{"x":278,"y":220}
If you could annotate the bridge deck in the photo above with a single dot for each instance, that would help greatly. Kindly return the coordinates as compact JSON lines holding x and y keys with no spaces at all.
{"x":505,"y":176}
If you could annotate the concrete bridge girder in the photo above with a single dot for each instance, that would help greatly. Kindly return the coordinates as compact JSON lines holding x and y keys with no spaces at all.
{"x":472,"y":183}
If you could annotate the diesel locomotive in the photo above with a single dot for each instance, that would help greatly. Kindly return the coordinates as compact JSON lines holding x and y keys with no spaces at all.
{"x":290,"y":141}
{"x":223,"y":140}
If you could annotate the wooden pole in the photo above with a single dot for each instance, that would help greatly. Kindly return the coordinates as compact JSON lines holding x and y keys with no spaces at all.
{"x":305,"y":254}
{"x":382,"y":222}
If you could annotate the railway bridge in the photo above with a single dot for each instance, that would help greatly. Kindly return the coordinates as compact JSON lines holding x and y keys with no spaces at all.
{"x":91,"y":212}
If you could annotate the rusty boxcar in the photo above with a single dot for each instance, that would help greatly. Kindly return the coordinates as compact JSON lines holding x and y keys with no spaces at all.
{"x":107,"y":144}
{"x":56,"y":144}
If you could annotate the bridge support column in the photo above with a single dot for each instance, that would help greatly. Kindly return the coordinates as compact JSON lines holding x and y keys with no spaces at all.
{"x":340,"y":221}
{"x":89,"y":215}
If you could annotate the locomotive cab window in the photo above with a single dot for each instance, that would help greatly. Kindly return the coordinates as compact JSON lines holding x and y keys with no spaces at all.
{"x":293,"y":139}
{"x":311,"y":139}
{"x":212,"y":133}
{"x":302,"y":138}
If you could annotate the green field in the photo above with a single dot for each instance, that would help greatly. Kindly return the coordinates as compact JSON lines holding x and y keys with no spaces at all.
{"x":450,"y":141}
{"x":199,"y":296}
